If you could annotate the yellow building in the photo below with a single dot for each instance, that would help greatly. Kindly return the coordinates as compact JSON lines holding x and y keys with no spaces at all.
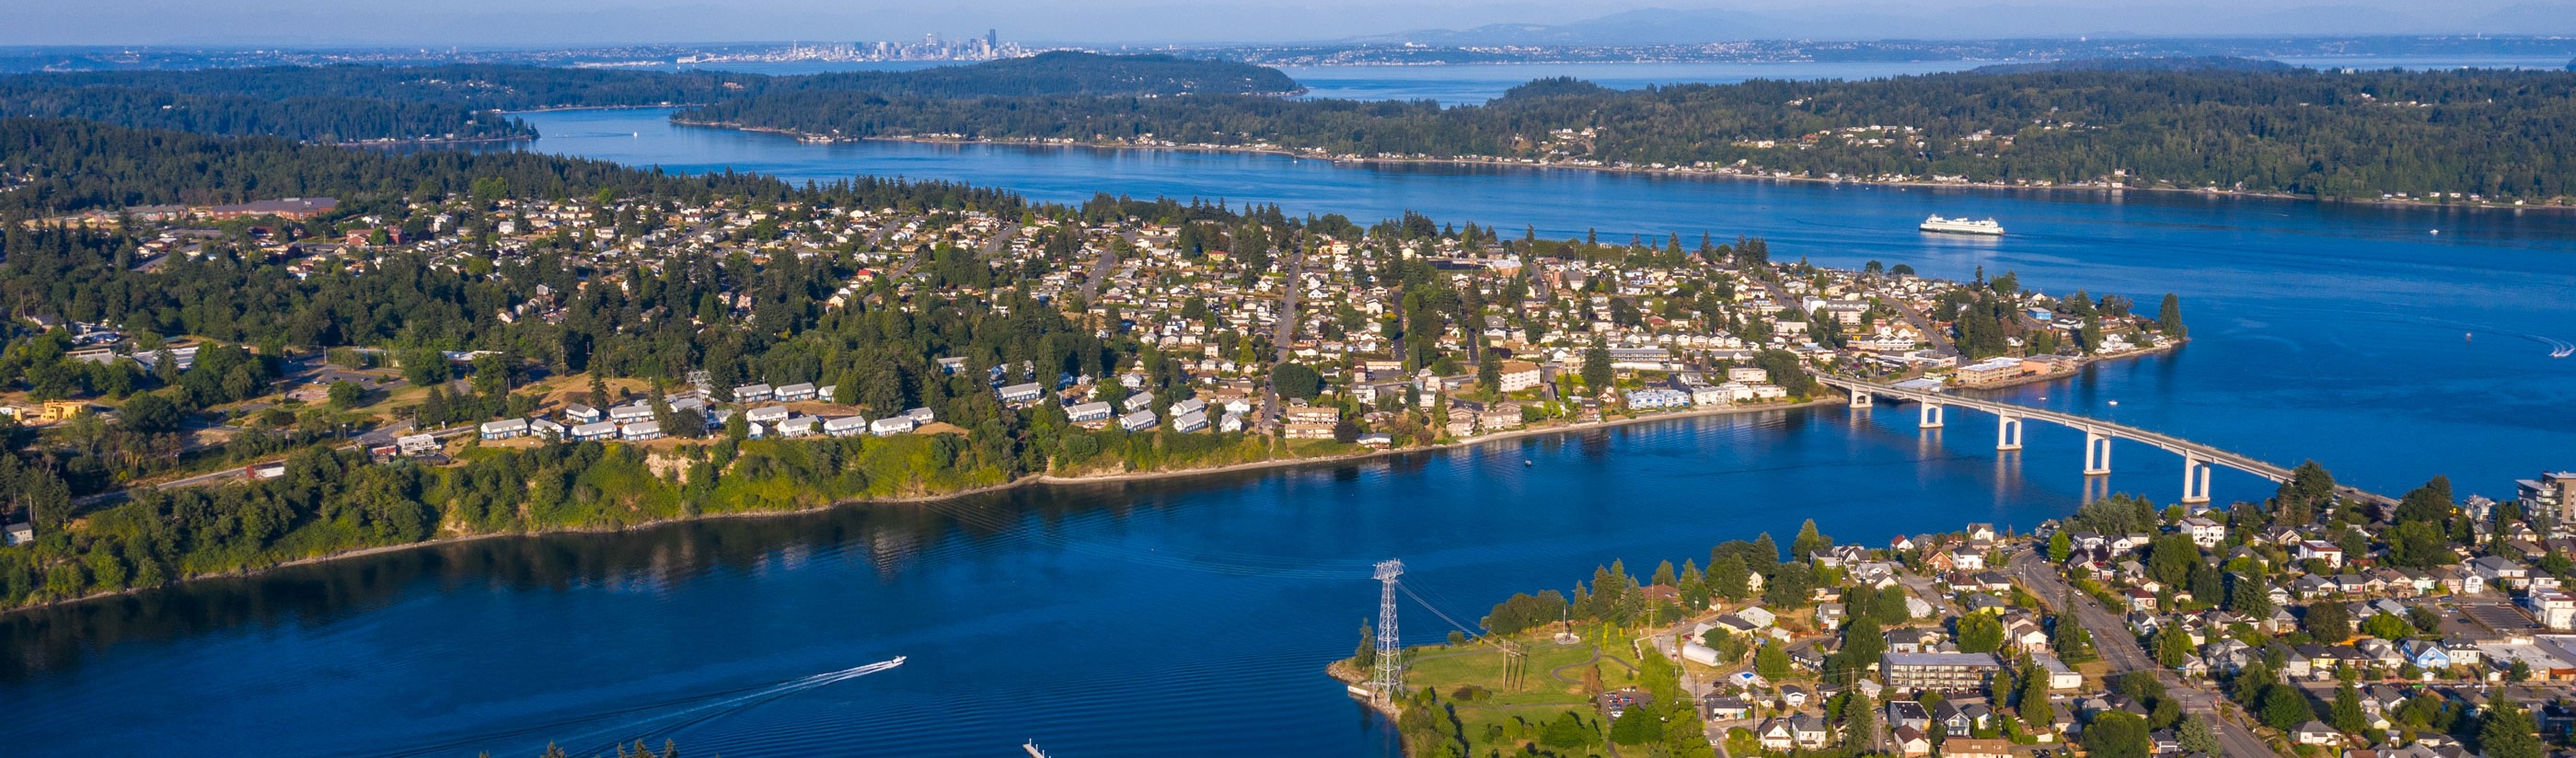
{"x":62,"y":410}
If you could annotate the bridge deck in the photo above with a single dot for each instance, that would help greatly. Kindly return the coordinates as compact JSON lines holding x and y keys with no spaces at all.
{"x":2167,"y":442}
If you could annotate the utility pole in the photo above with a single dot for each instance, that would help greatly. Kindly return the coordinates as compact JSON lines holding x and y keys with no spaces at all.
{"x":1390,"y":652}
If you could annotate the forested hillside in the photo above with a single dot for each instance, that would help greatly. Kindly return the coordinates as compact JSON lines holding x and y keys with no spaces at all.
{"x":2501,"y":134}
{"x":328,"y":119}
{"x":370,"y":103}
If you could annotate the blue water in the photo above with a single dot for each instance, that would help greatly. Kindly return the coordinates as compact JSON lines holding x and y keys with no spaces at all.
{"x":1193,"y":616}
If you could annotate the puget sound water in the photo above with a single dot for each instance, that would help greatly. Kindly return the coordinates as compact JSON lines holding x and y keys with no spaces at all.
{"x":1193,"y":616}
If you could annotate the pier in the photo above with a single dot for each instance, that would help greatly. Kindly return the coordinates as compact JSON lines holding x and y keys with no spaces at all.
{"x":2197,"y":458}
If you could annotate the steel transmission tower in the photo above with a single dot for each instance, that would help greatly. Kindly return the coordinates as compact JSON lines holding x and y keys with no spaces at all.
{"x":1390,"y":652}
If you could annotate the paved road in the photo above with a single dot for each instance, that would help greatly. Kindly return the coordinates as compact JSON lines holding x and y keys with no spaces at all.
{"x":2111,"y":638}
{"x":1000,"y":238}
{"x":1283,"y":330}
{"x":371,"y":438}
{"x":1940,"y":340}
{"x":1100,"y":272}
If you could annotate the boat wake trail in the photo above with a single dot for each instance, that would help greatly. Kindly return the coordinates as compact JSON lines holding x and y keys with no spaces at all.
{"x":645,"y":722}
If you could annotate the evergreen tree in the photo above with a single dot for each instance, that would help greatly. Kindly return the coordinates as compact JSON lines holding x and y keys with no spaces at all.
{"x":2329,"y":622}
{"x":2348,"y":717}
{"x":2196,"y":736}
{"x":2033,"y":699}
{"x":2507,"y":731}
{"x":1637,"y":726}
{"x":1772,"y":661}
{"x":2169,"y":316}
{"x":1728,"y":578}
{"x":2173,"y":647}
{"x":2069,"y":638}
{"x":1808,"y":542}
{"x":2116,"y":734}
{"x":2285,"y":708}
{"x":1596,"y":367}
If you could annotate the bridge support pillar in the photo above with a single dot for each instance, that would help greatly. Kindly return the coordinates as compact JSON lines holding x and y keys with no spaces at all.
{"x":1932,"y":414}
{"x":2007,"y":432}
{"x":2097,"y":453}
{"x":2195,"y":480}
{"x":1860,"y":398}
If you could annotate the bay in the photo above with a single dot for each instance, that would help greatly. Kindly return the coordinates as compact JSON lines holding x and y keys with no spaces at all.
{"x":1192,"y":616}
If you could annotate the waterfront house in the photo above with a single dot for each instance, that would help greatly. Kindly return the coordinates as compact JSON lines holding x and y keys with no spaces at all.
{"x":797,"y":426}
{"x":798,"y":392}
{"x":1193,"y":421}
{"x":641,"y":431}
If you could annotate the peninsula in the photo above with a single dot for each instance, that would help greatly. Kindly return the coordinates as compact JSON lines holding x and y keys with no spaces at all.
{"x":444,"y":345}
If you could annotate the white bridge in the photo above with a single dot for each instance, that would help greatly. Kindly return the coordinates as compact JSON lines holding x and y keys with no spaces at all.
{"x":2098,"y":434}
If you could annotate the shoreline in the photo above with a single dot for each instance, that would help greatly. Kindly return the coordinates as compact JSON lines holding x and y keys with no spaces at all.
{"x":2088,"y":362}
{"x":1080,"y":480}
{"x":2557,"y":204}
{"x":1023,"y":481}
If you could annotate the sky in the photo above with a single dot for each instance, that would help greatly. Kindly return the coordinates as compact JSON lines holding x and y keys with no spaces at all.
{"x":558,"y":23}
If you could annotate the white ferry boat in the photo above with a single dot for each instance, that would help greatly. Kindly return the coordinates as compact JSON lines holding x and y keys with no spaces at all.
{"x":1962,"y":225}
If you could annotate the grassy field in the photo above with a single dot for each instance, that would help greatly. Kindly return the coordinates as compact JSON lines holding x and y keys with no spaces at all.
{"x":1498,"y":717}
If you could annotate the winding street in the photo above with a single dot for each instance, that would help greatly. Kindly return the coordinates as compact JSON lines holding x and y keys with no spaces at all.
{"x":2111,"y":638}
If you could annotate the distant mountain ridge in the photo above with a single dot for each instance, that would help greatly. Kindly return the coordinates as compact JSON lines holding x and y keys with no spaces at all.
{"x":1667,"y":26}
{"x":2190,"y":63}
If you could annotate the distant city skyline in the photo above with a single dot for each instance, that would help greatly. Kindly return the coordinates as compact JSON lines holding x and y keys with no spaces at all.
{"x":597,"y":22}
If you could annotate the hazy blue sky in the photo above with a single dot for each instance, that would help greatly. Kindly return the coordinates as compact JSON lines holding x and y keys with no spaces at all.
{"x":569,"y":22}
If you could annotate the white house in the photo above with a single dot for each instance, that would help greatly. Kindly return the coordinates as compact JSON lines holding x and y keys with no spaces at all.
{"x":890,"y":425}
{"x":1138,"y":421}
{"x":797,"y":392}
{"x":504,"y":429}
{"x":1021,"y":393}
{"x":2204,"y":531}
{"x":845,"y":426}
{"x":1091,"y":411}
{"x":795,"y":427}
{"x":642,"y":430}
{"x":596,"y":430}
